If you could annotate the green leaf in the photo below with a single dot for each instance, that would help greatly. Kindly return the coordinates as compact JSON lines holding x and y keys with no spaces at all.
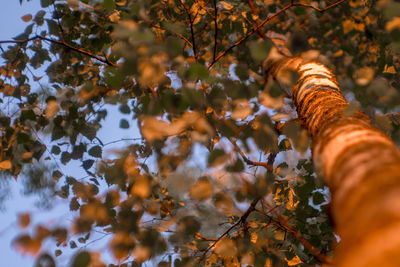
{"x":72,"y":244}
{"x":123,"y":124}
{"x":45,"y":3}
{"x":95,"y":151}
{"x":318,"y":198}
{"x":39,"y":17}
{"x":28,"y":115}
{"x":65,"y":157}
{"x":55,"y":150}
{"x":125,"y":109}
{"x":87,"y":164}
{"x":216,"y":157}
{"x":259,"y":50}
{"x":109,"y":5}
{"x":197,"y":72}
{"x":23,"y":138}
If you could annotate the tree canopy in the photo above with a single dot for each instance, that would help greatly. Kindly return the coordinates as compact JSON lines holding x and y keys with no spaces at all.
{"x":222,"y":173}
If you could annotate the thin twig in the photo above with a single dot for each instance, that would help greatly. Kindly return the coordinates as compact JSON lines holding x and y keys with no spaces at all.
{"x":216,"y":30}
{"x":244,"y":38}
{"x":177,"y":34}
{"x":255,"y":29}
{"x":58,"y":20}
{"x":255,"y":13}
{"x":268,"y":165}
{"x":104,"y":60}
{"x":296,"y":234}
{"x":196,"y":57}
{"x":318,"y":9}
{"x":242,"y":219}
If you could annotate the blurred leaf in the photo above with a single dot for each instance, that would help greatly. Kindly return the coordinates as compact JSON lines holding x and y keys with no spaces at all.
{"x":81,"y":259}
{"x":27,"y":17}
{"x":109,"y":5}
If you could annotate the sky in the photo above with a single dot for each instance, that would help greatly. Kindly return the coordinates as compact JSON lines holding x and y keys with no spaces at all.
{"x":11,"y":25}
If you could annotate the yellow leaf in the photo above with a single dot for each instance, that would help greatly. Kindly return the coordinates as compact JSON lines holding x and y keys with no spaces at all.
{"x":253,"y":237}
{"x":226,"y":5}
{"x":26,"y":245}
{"x":393,"y":24}
{"x":141,"y":187}
{"x":5,"y":165}
{"x":52,"y":109}
{"x":296,"y":260}
{"x":364,"y":76}
{"x":201,"y":190}
{"x":338,"y":53}
{"x":27,"y":17}
{"x":242,"y":109}
{"x":279,"y":235}
{"x":141,"y":253}
{"x":226,"y":248}
{"x":26,"y":155}
{"x":390,"y":69}
{"x":24,"y":219}
{"x":114,"y":17}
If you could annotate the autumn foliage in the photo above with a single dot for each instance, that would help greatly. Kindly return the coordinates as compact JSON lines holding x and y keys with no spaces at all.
{"x":227,"y":163}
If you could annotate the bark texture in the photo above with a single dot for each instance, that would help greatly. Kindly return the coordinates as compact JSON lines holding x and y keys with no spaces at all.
{"x":360,"y":165}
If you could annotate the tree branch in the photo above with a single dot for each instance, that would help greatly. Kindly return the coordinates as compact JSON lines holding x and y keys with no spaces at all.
{"x":177,"y":34}
{"x":242,"y":219}
{"x":62,"y":43}
{"x":268,"y":165}
{"x":316,"y":8}
{"x":255,"y":29}
{"x":296,"y":234}
{"x":216,"y":30}
{"x":196,"y":57}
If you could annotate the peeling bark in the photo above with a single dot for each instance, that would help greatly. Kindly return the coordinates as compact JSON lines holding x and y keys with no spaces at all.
{"x":360,"y":165}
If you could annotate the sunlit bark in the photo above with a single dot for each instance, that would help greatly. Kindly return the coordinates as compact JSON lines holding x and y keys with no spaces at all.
{"x":360,"y":165}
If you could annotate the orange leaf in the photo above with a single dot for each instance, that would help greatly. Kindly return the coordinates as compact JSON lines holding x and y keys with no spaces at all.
{"x":27,"y":17}
{"x":5,"y":165}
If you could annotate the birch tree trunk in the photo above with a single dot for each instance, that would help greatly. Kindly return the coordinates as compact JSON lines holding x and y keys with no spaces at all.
{"x":360,"y":165}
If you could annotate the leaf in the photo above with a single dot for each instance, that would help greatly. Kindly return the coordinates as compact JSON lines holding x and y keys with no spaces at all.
{"x":109,"y":5}
{"x":225,"y":5}
{"x":55,"y":150}
{"x":123,"y":124}
{"x":52,"y":109}
{"x":95,"y":151}
{"x":364,"y":75}
{"x":216,"y":157}
{"x":39,"y":17}
{"x":74,"y":204}
{"x":197,"y":72}
{"x":87,"y":164}
{"x":45,"y":3}
{"x":294,"y":261}
{"x":27,"y":245}
{"x":72,"y":244}
{"x":201,"y":190}
{"x":125,"y":109}
{"x":57,"y":175}
{"x":24,"y":219}
{"x":27,"y":17}
{"x":65,"y":157}
{"x":5,"y":165}
{"x":259,"y":50}
{"x":389,"y":69}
